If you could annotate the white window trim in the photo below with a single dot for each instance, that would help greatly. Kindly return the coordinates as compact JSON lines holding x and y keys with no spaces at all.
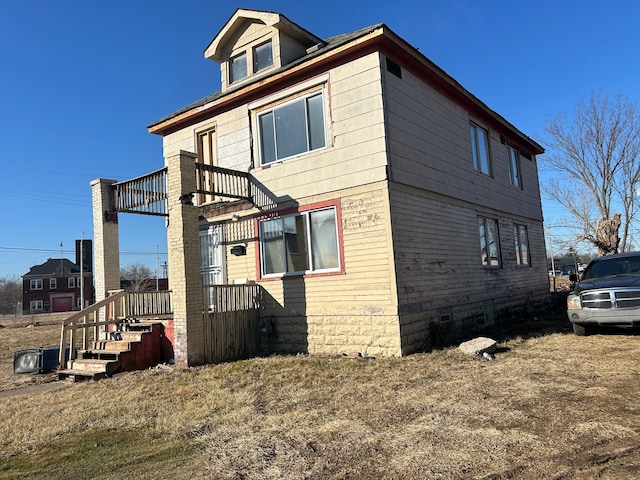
{"x":53,"y":283}
{"x":249,"y":52}
{"x":288,"y":92}
{"x":39,"y":305}
{"x":33,"y":284}
{"x":300,"y":98}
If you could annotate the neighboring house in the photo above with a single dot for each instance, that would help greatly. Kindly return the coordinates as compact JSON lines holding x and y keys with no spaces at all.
{"x":58,"y":284}
{"x":382,"y":208}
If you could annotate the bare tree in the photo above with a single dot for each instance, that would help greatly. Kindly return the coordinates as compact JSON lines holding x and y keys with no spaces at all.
{"x":10,"y":294}
{"x":137,"y":277}
{"x":597,"y":156}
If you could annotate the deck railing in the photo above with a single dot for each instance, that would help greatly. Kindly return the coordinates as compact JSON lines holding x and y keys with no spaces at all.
{"x":146,"y":194}
{"x":213,"y":182}
{"x":118,"y":306}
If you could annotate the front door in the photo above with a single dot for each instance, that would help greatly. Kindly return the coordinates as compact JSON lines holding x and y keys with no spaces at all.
{"x":212,"y":259}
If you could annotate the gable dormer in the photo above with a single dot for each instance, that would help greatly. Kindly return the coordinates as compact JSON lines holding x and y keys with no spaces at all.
{"x":253,"y":43}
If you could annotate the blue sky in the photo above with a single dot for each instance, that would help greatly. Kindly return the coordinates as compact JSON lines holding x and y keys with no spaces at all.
{"x":80,"y":81}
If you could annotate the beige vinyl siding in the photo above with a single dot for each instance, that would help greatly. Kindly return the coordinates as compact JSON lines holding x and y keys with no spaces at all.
{"x":289,"y":48}
{"x":351,"y":312}
{"x":437,"y":255}
{"x":232,"y":139}
{"x":430,"y":148}
{"x":355,"y":152}
{"x":240,"y":268}
{"x":254,"y":34}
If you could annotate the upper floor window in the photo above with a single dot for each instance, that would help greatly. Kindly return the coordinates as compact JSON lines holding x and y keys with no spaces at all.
{"x":521,"y":244}
{"x":262,"y":56}
{"x":251,"y":61}
{"x":35,"y":284}
{"x":238,"y":67}
{"x":489,"y":242}
{"x":514,"y":167}
{"x":303,"y":242}
{"x":480,"y":148}
{"x":207,"y":155}
{"x":71,"y":282}
{"x":292,"y":128}
{"x":53,"y":283}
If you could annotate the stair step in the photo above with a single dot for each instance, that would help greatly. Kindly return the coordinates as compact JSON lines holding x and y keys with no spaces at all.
{"x":94,"y":365}
{"x":125,"y":336}
{"x":121,"y":350}
{"x":77,"y":375}
{"x":115,"y":345}
{"x":102,"y":354}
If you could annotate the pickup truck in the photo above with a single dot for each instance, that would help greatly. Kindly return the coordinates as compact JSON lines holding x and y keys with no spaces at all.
{"x":606,"y":294}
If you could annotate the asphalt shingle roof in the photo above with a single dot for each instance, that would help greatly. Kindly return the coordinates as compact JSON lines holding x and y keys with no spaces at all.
{"x":54,"y":266}
{"x":330,"y":44}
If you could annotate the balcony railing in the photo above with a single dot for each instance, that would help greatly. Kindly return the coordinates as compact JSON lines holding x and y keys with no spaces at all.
{"x":146,"y":194}
{"x":216,"y":183}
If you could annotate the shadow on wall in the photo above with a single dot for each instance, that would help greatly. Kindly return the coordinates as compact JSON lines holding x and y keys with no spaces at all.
{"x":283,"y":326}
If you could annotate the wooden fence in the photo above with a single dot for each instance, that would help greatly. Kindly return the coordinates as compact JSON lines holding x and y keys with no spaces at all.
{"x":231,"y":322}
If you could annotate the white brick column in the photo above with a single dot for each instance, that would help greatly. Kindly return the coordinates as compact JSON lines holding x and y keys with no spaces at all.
{"x":183,"y":241}
{"x":106,"y":262}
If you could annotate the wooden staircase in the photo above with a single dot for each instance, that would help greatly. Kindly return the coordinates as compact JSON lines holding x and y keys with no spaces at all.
{"x":133,"y":345}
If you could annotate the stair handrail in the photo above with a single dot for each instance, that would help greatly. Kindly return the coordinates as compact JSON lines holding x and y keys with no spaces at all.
{"x":114,"y":310}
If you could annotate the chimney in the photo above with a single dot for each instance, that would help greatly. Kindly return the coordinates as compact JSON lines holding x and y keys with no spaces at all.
{"x":84,"y":248}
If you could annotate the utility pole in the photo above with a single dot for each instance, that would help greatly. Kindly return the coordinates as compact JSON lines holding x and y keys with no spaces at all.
{"x":81,"y":272}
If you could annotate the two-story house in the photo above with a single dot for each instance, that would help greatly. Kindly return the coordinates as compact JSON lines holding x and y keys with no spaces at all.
{"x":59,"y":285}
{"x":381,"y":207}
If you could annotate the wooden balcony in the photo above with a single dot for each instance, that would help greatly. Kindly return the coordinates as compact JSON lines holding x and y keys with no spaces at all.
{"x":147,"y":194}
{"x":216,"y":184}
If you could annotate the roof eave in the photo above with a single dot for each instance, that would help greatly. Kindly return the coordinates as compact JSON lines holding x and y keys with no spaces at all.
{"x":383,"y":39}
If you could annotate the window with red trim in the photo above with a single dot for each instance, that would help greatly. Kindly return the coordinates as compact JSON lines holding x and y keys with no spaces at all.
{"x":300,"y":243}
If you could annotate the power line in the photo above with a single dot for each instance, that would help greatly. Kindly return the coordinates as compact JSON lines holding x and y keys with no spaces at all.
{"x":47,"y":250}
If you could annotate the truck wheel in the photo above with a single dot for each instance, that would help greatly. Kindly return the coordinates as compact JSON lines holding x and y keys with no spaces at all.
{"x":580,"y":330}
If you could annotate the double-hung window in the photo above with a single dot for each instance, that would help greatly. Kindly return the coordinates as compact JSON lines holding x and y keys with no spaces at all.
{"x":238,"y":67}
{"x":521,"y":244}
{"x":514,"y":167}
{"x":53,"y":283}
{"x":292,"y":128}
{"x":303,"y":242}
{"x":262,"y":56}
{"x":36,"y":305}
{"x":489,"y":242}
{"x":480,"y":148}
{"x":71,"y":282}
{"x":35,"y":284}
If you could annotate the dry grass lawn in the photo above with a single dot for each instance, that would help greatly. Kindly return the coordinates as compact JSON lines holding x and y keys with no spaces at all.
{"x":551,"y":405}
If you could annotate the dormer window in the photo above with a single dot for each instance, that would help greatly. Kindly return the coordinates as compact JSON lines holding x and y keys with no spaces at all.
{"x":238,"y":67}
{"x":251,"y":61}
{"x":262,"y":56}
